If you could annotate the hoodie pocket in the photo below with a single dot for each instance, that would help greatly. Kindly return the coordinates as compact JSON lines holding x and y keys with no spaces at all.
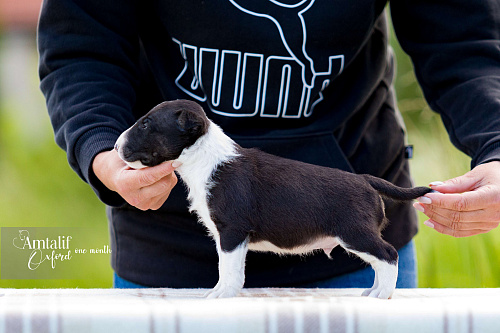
{"x":318,"y":148}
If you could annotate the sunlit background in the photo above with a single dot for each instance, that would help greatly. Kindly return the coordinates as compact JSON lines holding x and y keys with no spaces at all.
{"x":38,"y":189}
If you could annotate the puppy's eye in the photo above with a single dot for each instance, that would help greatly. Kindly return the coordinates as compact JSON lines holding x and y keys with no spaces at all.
{"x":145,"y":160}
{"x":144,"y":124}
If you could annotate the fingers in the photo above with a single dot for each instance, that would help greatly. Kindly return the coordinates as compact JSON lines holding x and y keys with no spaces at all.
{"x":449,"y":217}
{"x":468,"y":201}
{"x":456,"y":185}
{"x":466,"y":205}
{"x":150,"y":176}
{"x":482,"y":175}
{"x":458,"y":224}
{"x":455,"y":232}
{"x":459,"y":215}
{"x":155,"y":195}
{"x":146,"y":188}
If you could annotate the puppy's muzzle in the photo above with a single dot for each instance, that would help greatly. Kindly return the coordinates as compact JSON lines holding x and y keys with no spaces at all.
{"x":124,"y":152}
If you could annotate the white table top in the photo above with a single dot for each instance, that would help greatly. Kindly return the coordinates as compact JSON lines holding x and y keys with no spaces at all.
{"x":254,"y":310}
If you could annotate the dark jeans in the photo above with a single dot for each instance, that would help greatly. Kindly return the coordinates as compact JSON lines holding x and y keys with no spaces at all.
{"x":363,"y":278}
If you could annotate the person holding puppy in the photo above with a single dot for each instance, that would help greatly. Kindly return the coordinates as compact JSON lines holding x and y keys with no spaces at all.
{"x":309,"y":80}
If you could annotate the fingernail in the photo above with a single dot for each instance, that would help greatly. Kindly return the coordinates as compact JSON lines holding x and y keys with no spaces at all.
{"x":176,"y":164}
{"x":424,"y":200}
{"x":418,"y":207}
{"x":436,"y":183}
{"x":429,"y":224}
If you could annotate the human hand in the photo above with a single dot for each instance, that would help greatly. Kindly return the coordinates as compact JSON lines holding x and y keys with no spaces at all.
{"x":144,"y":189}
{"x":467,"y":205}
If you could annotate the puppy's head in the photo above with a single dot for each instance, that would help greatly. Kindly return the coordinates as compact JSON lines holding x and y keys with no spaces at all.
{"x":162,"y":134}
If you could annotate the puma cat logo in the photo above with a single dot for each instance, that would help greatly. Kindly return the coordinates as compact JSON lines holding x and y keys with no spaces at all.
{"x":294,"y":26}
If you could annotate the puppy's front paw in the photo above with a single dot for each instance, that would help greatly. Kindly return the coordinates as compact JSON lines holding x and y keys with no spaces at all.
{"x":223,"y":291}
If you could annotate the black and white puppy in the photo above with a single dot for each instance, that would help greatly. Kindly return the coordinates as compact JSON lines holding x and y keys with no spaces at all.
{"x":251,"y":200}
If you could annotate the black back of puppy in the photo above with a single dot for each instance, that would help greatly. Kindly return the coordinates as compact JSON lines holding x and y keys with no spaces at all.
{"x":289,"y":203}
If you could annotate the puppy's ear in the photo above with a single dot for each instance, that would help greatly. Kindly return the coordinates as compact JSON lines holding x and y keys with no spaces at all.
{"x":190,"y":122}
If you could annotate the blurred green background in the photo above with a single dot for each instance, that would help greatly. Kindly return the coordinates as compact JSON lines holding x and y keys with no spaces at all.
{"x":39,"y":189}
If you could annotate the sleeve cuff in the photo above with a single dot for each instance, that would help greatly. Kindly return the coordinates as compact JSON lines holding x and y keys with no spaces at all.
{"x":491,"y":154}
{"x":88,"y":146}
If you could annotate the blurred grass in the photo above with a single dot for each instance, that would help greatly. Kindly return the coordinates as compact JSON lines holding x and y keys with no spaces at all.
{"x":38,"y":188}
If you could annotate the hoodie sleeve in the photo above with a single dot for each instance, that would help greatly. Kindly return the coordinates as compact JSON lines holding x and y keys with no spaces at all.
{"x":88,"y":70}
{"x":455,"y":49}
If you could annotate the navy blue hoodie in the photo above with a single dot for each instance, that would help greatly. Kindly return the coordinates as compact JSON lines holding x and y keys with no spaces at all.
{"x":305,"y":79}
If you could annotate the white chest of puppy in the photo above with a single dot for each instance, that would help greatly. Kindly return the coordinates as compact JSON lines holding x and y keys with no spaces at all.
{"x":198,"y":163}
{"x":250,"y":200}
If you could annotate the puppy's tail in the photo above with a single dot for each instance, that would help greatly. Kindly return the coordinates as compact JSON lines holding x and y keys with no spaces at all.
{"x":392,"y":191}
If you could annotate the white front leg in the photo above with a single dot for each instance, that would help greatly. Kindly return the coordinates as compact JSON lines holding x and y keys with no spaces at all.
{"x":231,"y":271}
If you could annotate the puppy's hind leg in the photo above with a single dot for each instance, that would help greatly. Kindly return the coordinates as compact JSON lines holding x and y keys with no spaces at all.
{"x":231,"y":271}
{"x":384,"y":260}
